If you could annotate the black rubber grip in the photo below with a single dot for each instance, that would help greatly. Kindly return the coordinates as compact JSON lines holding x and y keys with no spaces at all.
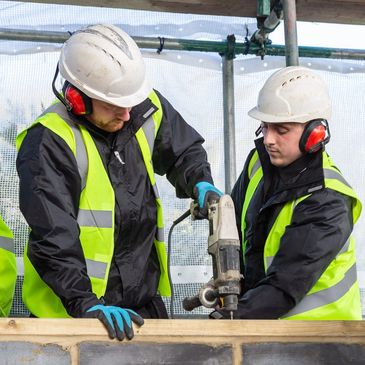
{"x":191,"y":303}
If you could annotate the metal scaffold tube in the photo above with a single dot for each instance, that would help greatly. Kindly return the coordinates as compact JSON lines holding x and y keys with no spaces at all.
{"x":191,"y":45}
{"x":229,"y":115}
{"x":290,"y":29}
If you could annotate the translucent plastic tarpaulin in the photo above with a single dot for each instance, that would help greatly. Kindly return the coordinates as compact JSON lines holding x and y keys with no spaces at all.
{"x":192,"y":82}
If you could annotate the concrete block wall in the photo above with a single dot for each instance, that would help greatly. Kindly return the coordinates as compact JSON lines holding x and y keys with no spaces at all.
{"x":183,"y":342}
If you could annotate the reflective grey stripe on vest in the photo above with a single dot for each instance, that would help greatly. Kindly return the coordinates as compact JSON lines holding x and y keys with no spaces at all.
{"x":160,"y":236}
{"x":95,"y":218}
{"x":96,"y":269}
{"x":331,"y":174}
{"x":326,"y":296}
{"x":155,"y":191}
{"x":149,"y":130}
{"x":269,"y":261}
{"x":81,"y":154}
{"x":255,"y":167}
{"x":7,"y":243}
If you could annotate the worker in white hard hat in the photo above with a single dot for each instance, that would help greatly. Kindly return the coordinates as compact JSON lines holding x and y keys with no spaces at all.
{"x":88,"y":189}
{"x":295,"y":210}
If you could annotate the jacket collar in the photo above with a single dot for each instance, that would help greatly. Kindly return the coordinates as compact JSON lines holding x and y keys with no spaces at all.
{"x":300,"y":178}
{"x":138,"y":115}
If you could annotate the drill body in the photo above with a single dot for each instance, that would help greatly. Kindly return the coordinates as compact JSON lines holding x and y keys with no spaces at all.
{"x":224,"y":247}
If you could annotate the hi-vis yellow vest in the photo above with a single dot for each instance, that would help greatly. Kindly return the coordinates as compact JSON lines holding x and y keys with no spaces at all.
{"x":336,"y":294}
{"x":7,"y":269}
{"x":96,"y":210}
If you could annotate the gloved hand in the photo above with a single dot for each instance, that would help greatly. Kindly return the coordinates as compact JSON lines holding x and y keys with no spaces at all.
{"x":118,"y":321}
{"x":205,"y":193}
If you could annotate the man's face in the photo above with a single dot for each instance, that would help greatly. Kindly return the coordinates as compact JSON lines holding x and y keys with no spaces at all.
{"x":108,"y":117}
{"x":281,"y":141}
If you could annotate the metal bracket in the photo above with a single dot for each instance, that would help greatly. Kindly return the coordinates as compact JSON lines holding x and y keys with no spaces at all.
{"x":230,"y":51}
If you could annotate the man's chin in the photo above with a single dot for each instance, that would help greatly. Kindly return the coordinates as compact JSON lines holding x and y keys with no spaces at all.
{"x":278,"y":162}
{"x":115,"y":127}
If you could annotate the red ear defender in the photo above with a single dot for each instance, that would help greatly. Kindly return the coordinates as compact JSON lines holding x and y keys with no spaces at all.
{"x":80,"y":103}
{"x":315,"y":135}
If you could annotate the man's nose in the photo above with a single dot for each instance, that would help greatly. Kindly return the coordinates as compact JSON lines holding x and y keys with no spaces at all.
{"x":269,"y":136}
{"x":123,"y":113}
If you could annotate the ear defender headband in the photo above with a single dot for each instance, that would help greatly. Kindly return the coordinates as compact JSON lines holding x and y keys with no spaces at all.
{"x":74,"y":99}
{"x":315,"y":135}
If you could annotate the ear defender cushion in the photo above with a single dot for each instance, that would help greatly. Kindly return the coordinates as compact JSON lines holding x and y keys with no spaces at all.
{"x":80,"y":103}
{"x":314,"y":136}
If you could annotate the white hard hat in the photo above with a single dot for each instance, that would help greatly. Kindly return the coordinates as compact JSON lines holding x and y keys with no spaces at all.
{"x":292,"y":94}
{"x":106,"y":64}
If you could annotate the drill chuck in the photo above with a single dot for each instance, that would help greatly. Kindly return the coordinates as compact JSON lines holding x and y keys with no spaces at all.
{"x":230,"y":302}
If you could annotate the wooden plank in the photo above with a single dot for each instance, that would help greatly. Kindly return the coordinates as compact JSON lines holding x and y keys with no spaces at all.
{"x":205,"y":329}
{"x":328,"y":11}
{"x":344,"y":11}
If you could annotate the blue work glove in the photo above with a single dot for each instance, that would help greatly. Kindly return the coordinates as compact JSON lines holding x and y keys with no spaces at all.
{"x":205,"y":193}
{"x":118,"y":321}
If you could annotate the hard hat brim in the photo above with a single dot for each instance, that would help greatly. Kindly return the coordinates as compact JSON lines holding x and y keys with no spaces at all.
{"x":304,"y":118}
{"x":125,"y":101}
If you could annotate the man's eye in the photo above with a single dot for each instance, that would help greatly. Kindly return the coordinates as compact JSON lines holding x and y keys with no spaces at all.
{"x":282,"y":131}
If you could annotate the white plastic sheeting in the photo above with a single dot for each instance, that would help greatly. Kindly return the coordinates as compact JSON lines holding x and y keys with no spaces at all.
{"x":192,"y":81}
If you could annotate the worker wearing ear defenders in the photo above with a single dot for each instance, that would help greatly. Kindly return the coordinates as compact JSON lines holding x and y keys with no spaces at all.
{"x":295,"y":210}
{"x":88,"y":191}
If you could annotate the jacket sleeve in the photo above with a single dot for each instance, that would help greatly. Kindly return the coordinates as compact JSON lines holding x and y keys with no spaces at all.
{"x":178,"y":152}
{"x":49,"y":198}
{"x":321,"y":225}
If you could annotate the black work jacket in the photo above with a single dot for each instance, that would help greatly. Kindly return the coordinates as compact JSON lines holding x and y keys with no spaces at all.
{"x":50,"y":188}
{"x":321,"y":224}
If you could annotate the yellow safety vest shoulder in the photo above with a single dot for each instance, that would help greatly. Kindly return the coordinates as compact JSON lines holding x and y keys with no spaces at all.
{"x":96,"y":209}
{"x":7,"y":269}
{"x":336,"y":295}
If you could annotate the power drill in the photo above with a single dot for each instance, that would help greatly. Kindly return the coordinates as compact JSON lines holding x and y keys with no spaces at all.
{"x":224,"y":247}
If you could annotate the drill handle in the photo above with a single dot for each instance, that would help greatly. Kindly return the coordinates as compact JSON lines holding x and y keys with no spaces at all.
{"x":191,"y":303}
{"x":207,"y":297}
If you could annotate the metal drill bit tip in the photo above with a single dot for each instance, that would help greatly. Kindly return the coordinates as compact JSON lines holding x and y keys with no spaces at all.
{"x":231,"y":314}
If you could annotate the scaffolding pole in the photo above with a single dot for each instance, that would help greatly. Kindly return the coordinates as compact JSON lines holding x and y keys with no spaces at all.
{"x":290,"y":29}
{"x":192,"y":45}
{"x":229,"y":115}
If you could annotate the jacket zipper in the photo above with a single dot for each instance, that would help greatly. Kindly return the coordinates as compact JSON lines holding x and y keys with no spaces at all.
{"x":117,"y":155}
